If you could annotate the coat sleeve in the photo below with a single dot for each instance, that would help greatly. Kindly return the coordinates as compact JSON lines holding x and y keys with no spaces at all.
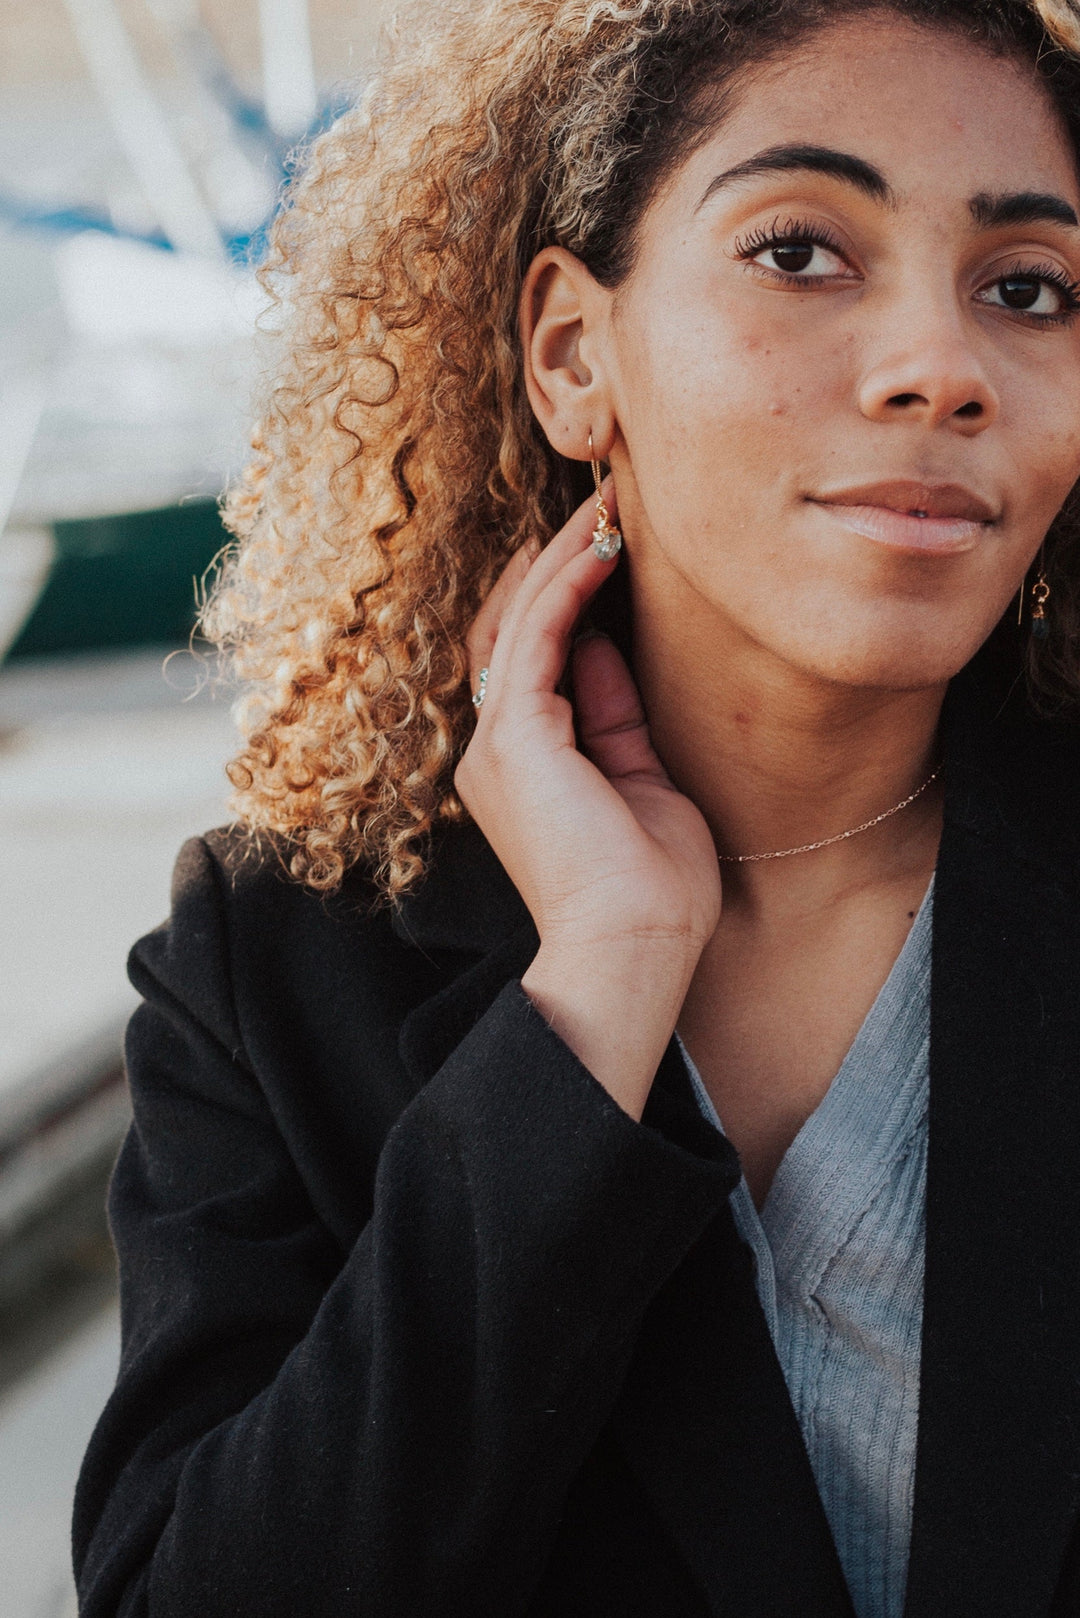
{"x":389,"y":1435}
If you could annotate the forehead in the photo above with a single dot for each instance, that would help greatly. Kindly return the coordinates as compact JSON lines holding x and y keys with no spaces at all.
{"x":934,"y":112}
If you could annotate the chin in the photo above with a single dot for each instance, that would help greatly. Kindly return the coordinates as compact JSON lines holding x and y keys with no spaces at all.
{"x":885,"y":654}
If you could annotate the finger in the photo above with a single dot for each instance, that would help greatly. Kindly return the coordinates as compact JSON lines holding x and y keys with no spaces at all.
{"x":530,"y":654}
{"x":480,"y":641}
{"x":571,"y":546}
{"x":573,"y":538}
{"x":611,"y":723}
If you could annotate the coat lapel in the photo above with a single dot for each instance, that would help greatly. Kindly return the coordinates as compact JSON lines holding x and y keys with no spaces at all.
{"x":707,"y":1425}
{"x":997,"y":1487}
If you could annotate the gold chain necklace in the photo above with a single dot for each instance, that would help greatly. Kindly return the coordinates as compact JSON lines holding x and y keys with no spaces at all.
{"x":808,"y":848}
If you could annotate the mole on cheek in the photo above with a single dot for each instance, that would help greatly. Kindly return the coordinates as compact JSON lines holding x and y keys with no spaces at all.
{"x":777,"y":408}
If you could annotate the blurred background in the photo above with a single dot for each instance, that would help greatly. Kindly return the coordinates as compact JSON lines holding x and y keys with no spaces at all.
{"x":143,"y":145}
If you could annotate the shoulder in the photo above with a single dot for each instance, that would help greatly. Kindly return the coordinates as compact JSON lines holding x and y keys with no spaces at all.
{"x":255,"y":949}
{"x":241,"y":880}
{"x":246,"y":945}
{"x":464,"y":903}
{"x":1013,"y":776}
{"x":232,"y":889}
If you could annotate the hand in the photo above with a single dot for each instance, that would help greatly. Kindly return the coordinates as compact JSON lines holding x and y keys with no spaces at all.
{"x":617,"y":867}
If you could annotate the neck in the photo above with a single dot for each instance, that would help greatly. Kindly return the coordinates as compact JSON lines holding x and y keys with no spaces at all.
{"x":775,"y":757}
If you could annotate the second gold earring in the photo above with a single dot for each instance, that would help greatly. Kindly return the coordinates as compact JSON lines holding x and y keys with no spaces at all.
{"x":607,"y":540}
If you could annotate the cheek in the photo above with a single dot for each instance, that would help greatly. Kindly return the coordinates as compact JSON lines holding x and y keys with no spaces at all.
{"x":713,"y":410}
{"x":1042,"y":427}
{"x":1050,"y":468}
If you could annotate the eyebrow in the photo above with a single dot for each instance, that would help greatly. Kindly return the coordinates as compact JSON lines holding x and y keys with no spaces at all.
{"x":810,"y":159}
{"x":987,"y":210}
{"x":1021,"y":208}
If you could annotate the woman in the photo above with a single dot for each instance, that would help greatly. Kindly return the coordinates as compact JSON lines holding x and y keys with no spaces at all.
{"x":445,"y":1289}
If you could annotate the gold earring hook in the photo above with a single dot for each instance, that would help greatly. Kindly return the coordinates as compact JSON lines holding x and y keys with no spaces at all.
{"x":597,"y":478}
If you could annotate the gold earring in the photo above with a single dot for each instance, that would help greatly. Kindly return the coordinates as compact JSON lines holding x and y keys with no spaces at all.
{"x":606,"y":539}
{"x":1040,"y":595}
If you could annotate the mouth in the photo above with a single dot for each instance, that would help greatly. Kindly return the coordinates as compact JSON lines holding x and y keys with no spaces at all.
{"x":934,"y":519}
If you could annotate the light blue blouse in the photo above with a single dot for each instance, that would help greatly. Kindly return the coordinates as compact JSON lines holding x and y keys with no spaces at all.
{"x":839,"y":1249}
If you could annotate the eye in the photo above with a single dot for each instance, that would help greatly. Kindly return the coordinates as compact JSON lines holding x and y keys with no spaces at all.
{"x":793,"y":250}
{"x":799,"y":258}
{"x":1045,"y":293}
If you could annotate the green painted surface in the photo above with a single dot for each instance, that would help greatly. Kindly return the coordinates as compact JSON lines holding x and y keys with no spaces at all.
{"x":123,"y":581}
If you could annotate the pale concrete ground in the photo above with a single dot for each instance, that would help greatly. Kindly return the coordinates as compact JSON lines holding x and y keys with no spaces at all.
{"x":104,"y":770}
{"x":45,"y":1423}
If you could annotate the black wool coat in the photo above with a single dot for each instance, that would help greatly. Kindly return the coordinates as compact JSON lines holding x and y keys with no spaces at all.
{"x":418,"y":1323}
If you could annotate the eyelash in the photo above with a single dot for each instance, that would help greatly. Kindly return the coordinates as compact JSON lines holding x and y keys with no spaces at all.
{"x":802,"y":231}
{"x":786,"y":235}
{"x":1053,"y":275}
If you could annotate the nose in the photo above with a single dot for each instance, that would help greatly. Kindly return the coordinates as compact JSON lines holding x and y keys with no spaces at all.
{"x":927,"y":371}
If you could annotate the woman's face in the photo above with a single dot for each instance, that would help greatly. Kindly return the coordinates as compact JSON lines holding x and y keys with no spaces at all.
{"x":850,"y":306}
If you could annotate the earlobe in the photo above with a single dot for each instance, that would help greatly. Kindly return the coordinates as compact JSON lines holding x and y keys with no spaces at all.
{"x":561,"y":312}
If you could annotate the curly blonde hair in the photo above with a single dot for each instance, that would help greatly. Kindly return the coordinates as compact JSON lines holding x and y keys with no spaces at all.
{"x":396,"y":462}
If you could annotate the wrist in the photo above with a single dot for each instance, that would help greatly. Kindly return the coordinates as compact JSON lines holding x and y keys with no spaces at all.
{"x":615,"y":1003}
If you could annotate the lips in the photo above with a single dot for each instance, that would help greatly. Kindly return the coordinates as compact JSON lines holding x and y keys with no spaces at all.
{"x":927,"y":499}
{"x":936,"y":519}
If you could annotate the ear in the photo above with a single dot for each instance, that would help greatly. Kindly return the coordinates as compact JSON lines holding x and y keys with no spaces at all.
{"x":563,"y":320}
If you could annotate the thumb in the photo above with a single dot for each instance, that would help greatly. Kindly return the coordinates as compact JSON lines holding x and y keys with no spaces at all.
{"x":611,"y":723}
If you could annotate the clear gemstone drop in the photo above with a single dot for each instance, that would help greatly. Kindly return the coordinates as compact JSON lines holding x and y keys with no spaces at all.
{"x":607,"y":543}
